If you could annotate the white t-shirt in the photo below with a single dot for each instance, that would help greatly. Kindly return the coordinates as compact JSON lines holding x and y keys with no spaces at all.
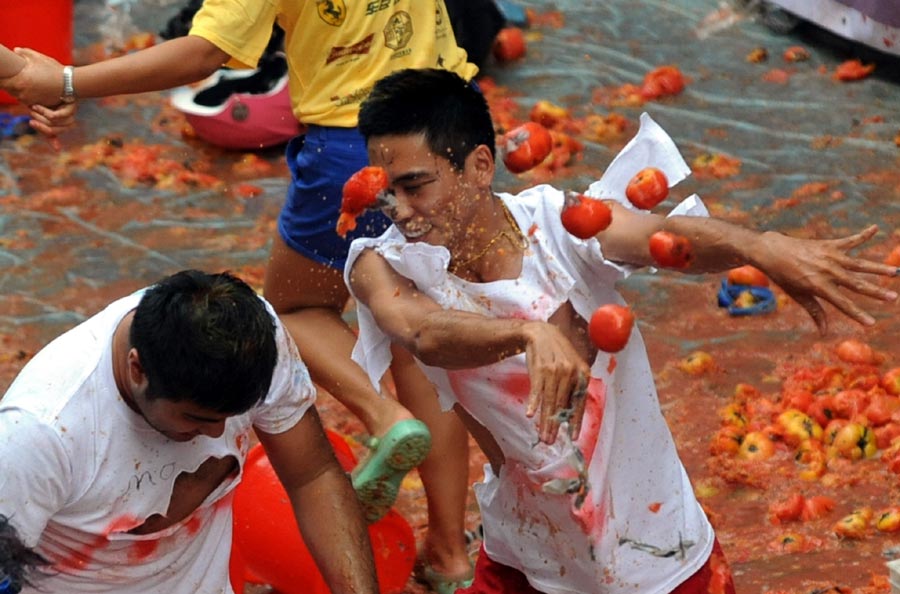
{"x":639,"y":527}
{"x":79,"y":469}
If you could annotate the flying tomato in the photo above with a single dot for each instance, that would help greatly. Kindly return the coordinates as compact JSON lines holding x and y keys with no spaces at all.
{"x":647,"y":188}
{"x":583,"y":216}
{"x":610,"y":327}
{"x":670,"y":250}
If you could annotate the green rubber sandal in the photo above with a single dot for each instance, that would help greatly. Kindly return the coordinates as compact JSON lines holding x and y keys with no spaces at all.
{"x":377,"y":478}
{"x":439,"y":583}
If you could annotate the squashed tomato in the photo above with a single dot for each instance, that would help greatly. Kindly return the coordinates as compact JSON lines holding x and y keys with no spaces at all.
{"x":853,"y":70}
{"x":748,"y":275}
{"x":890,"y":381}
{"x":787,"y":510}
{"x":583,"y":216}
{"x":670,"y":250}
{"x":647,"y":188}
{"x":526,"y":146}
{"x":855,"y":525}
{"x":509,"y":44}
{"x":548,"y":114}
{"x":727,"y":440}
{"x":610,"y":327}
{"x":697,"y":363}
{"x":856,"y":351}
{"x":360,"y":192}
{"x":816,"y":506}
{"x":662,"y":81}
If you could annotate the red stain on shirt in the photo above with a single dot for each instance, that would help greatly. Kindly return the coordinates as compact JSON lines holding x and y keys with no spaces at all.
{"x":79,"y":558}
{"x":516,"y":386}
{"x":193,"y":525}
{"x":142,"y":549}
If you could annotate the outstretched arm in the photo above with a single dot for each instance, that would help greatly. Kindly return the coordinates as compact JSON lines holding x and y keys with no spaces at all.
{"x":809,"y":270}
{"x":325,"y":506}
{"x":10,"y":63}
{"x":454,"y":339}
{"x":170,"y":64}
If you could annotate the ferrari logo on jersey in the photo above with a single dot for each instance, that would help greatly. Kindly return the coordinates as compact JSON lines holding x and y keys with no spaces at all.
{"x":332,"y":12}
{"x":398,"y":30}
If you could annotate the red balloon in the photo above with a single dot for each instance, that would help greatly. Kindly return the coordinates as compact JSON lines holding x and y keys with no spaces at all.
{"x":267,"y":547}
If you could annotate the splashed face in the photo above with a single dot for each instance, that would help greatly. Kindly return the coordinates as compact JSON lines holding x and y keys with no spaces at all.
{"x":430,"y":197}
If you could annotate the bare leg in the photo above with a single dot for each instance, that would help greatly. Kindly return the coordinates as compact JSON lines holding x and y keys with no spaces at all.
{"x":444,"y":473}
{"x":309,"y":298}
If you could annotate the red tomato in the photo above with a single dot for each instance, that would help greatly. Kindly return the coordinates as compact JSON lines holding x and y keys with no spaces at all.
{"x":787,"y":510}
{"x":509,"y":44}
{"x":816,"y":507}
{"x":748,"y":275}
{"x":856,"y":351}
{"x":890,"y":381}
{"x":361,"y":191}
{"x":610,"y":327}
{"x":880,"y":409}
{"x":662,"y":81}
{"x":647,"y":188}
{"x":893,"y":259}
{"x":670,"y":250}
{"x":821,"y":410}
{"x":548,"y":114}
{"x":583,"y":216}
{"x":526,"y":146}
{"x":853,"y":70}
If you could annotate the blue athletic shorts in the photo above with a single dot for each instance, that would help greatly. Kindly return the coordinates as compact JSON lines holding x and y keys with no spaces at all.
{"x":320,"y":162}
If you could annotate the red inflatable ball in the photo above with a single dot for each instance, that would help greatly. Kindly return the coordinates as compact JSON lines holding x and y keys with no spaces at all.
{"x":267,"y":547}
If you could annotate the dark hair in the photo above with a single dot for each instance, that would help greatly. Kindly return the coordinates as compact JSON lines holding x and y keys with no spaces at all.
{"x":18,"y":563}
{"x":451,"y":112}
{"x":206,"y":338}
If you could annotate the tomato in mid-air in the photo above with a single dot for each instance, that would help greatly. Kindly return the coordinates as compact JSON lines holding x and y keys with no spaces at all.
{"x":526,"y":147}
{"x":361,"y":191}
{"x":748,"y":275}
{"x":647,"y":188}
{"x":509,"y":44}
{"x":670,"y":250}
{"x":610,"y":327}
{"x":583,"y":216}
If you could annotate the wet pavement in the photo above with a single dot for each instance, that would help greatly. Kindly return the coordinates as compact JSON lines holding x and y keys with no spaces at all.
{"x":129,"y":199}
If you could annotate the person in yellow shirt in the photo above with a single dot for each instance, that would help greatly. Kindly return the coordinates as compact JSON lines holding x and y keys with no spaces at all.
{"x":336,"y":50}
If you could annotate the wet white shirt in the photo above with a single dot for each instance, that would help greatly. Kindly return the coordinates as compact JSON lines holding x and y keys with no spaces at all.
{"x":79,"y":469}
{"x":630,"y":521}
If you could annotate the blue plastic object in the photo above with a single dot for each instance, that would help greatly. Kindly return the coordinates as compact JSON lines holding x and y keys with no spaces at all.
{"x":764,"y":299}
{"x":12,"y":127}
{"x":513,"y":13}
{"x":6,"y":586}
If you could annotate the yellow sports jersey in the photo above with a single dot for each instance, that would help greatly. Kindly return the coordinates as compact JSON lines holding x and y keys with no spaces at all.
{"x":336,"y":49}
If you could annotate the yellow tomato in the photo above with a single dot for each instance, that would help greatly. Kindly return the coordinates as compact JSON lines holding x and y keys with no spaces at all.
{"x":799,"y":426}
{"x":756,"y":446}
{"x":888,"y":520}
{"x":853,"y":526}
{"x":855,"y":441}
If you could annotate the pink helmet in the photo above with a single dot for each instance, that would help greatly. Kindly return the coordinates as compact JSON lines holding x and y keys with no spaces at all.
{"x":240,"y":109}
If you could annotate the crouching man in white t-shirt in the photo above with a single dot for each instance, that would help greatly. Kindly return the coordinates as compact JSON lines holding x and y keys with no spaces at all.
{"x":122,"y":441}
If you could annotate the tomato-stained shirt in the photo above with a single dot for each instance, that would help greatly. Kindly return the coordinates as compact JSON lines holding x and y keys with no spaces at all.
{"x":614,"y":511}
{"x":336,"y":49}
{"x":79,"y":469}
